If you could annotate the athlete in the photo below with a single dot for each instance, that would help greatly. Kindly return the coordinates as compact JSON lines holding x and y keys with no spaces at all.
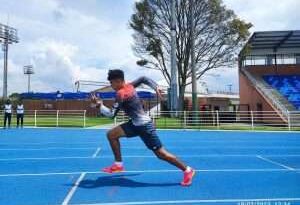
{"x":140,"y":123}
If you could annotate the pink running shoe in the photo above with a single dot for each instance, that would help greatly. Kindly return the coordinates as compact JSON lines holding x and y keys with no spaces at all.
{"x":113,"y":169}
{"x":188,"y":177}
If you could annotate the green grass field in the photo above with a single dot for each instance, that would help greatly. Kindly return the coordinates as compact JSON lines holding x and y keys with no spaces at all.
{"x":70,"y":121}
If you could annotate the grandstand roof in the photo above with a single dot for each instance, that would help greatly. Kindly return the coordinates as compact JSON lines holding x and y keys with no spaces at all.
{"x":274,"y":40}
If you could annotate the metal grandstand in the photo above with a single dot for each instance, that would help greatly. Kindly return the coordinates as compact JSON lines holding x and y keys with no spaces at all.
{"x":275,"y":40}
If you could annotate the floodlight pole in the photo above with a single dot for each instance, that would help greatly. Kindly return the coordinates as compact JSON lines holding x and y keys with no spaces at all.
{"x":5,"y":50}
{"x":174,"y":86}
{"x":8,"y":35}
{"x":28,"y":70}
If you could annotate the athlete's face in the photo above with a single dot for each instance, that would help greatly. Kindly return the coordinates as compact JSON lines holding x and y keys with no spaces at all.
{"x":117,"y":84}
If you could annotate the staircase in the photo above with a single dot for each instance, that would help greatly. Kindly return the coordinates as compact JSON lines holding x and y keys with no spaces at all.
{"x":281,"y":105}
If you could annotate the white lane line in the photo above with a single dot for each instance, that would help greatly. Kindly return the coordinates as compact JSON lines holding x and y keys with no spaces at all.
{"x":73,"y":189}
{"x":250,"y":201}
{"x":96,"y":152}
{"x":47,"y":143}
{"x":75,"y":186}
{"x":49,"y":148}
{"x":143,"y":148}
{"x":145,"y":156}
{"x":276,"y":163}
{"x":147,"y":171}
{"x":220,"y":146}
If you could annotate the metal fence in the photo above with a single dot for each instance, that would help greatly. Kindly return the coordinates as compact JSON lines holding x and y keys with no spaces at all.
{"x":180,"y":120}
{"x":221,"y":120}
{"x":51,"y":118}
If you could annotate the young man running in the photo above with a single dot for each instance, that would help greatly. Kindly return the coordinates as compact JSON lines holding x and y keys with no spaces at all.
{"x":140,"y":123}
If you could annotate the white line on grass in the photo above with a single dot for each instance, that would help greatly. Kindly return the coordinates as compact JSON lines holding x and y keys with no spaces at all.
{"x":256,"y":201}
{"x":147,"y":171}
{"x":276,"y":163}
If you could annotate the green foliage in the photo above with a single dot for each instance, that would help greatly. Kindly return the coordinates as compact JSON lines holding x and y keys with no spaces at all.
{"x":218,"y":34}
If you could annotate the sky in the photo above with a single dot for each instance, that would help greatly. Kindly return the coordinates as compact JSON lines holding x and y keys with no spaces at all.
{"x":69,"y":40}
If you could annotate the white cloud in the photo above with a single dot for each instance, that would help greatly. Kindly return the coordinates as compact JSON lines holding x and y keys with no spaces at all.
{"x":268,"y":14}
{"x":70,"y":40}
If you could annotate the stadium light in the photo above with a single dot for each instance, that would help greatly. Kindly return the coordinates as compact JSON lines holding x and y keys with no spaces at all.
{"x":8,"y":35}
{"x":28,"y":70}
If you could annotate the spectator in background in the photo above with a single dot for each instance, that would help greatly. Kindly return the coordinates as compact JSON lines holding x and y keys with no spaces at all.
{"x":7,"y":113}
{"x":20,"y":114}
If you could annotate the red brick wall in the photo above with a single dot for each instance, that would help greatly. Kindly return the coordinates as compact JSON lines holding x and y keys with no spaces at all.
{"x":72,"y":105}
{"x":250,"y":96}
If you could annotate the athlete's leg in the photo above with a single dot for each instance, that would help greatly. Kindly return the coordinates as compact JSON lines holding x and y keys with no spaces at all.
{"x":113,"y":137}
{"x":163,"y":154}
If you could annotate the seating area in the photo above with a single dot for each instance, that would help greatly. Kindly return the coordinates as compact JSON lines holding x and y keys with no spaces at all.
{"x":287,"y":85}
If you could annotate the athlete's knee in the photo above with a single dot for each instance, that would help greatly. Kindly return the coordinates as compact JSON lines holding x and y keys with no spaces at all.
{"x":112,"y":135}
{"x":165,"y":156}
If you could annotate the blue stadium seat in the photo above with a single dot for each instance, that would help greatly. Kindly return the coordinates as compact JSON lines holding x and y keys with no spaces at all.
{"x":287,"y":85}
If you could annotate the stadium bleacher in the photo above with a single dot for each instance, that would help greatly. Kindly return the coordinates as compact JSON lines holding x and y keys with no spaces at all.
{"x":287,"y":85}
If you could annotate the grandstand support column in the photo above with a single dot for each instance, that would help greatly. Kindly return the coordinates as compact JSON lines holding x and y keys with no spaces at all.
{"x":174,"y":86}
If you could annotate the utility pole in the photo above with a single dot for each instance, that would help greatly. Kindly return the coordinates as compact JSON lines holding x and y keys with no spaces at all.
{"x":174,"y":86}
{"x":194,"y":77}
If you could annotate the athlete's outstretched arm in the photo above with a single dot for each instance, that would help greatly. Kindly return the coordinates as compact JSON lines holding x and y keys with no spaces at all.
{"x":145,"y":80}
{"x":151,"y":83}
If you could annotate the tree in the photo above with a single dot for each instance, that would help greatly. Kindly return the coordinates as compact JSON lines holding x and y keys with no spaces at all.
{"x":218,"y":33}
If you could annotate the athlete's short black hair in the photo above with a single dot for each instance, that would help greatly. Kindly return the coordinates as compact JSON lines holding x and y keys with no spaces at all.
{"x":115,"y":74}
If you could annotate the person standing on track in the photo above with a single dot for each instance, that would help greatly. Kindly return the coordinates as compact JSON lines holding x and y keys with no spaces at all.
{"x":20,"y":114}
{"x":140,"y":123}
{"x":7,"y":113}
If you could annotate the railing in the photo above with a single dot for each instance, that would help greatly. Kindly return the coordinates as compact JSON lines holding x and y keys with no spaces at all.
{"x":180,"y":120}
{"x":221,"y":120}
{"x":51,"y":118}
{"x":275,"y":59}
{"x":266,"y":92}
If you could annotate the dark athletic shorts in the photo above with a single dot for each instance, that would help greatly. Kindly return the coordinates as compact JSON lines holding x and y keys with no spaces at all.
{"x":146,"y":132}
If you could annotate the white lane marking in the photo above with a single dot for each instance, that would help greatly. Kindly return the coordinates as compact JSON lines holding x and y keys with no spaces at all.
{"x":147,"y":156}
{"x":169,"y":147}
{"x":276,"y":163}
{"x":73,"y":189}
{"x":96,"y":152}
{"x":251,"y":201}
{"x":75,"y":186}
{"x":147,"y":171}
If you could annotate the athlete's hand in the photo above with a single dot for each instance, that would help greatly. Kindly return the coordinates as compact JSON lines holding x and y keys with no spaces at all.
{"x":159,"y":93}
{"x":96,"y":100}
